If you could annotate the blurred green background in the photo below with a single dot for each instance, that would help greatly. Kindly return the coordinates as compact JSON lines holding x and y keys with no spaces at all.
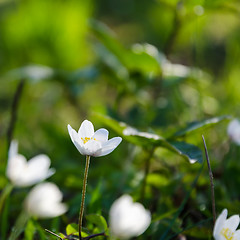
{"x":155,"y":65}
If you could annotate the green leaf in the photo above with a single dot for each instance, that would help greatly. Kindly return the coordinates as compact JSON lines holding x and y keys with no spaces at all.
{"x":157,"y":180}
{"x":200,"y":125}
{"x":19,"y":226}
{"x":40,"y":231}
{"x":196,"y":230}
{"x":145,"y":139}
{"x":188,"y":151}
{"x":29,"y":230}
{"x":180,"y":209}
{"x":72,"y":228}
{"x":80,"y":75}
{"x":143,"y":58}
{"x":99,"y":221}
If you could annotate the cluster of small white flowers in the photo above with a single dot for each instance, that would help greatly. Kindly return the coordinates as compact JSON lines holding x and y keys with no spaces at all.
{"x":44,"y":200}
{"x":127,"y":219}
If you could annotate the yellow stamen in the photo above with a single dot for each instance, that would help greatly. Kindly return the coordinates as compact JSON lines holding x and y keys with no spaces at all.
{"x":86,"y":139}
{"x":227,"y":233}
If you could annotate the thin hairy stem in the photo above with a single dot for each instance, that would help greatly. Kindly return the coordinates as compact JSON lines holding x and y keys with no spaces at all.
{"x":83,"y":197}
{"x":211,"y":181}
{"x":54,"y":234}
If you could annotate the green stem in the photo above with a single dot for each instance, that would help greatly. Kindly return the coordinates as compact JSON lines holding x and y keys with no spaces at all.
{"x":83,"y":197}
{"x":19,"y":225}
{"x":211,"y":181}
{"x":5,"y":193}
{"x":4,"y":209}
{"x":146,"y":172}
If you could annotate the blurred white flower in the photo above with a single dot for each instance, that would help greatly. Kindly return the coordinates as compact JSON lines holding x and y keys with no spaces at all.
{"x":128,"y":219}
{"x":23,"y":173}
{"x":92,"y":143}
{"x":225,"y":229}
{"x":44,"y":201}
{"x":234,"y":131}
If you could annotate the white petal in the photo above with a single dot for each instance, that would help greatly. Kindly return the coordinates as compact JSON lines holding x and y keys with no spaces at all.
{"x":92,"y":147}
{"x":37,"y":169}
{"x":237,"y":234}
{"x":234,"y":131}
{"x":142,"y":219}
{"x":74,"y":136}
{"x":86,"y":130}
{"x":15,"y":168}
{"x":220,"y":223}
{"x":53,"y":210}
{"x":70,"y":131}
{"x":50,"y":172}
{"x":233,"y":125}
{"x":77,"y":141}
{"x":109,"y":146}
{"x":101,"y":135}
{"x":44,"y":200}
{"x":128,"y":219}
{"x":13,"y":149}
{"x":232,"y":223}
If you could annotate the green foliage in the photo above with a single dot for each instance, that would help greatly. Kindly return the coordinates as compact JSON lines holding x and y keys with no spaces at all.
{"x":29,"y":230}
{"x":145,"y":139}
{"x":72,"y":229}
{"x":199,"y":126}
{"x":99,"y":222}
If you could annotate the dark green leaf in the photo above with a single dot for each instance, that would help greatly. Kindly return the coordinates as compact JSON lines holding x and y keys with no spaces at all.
{"x":188,"y":151}
{"x":200,"y":125}
{"x":145,"y":139}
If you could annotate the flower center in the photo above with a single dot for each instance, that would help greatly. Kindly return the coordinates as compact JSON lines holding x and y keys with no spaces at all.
{"x":86,"y":139}
{"x":227,"y":233}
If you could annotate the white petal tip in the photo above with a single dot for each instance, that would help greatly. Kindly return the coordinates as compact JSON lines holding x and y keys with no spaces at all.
{"x":118,"y":140}
{"x":51,"y":171}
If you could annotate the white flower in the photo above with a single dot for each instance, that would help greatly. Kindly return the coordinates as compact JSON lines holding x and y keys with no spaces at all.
{"x":23,"y":173}
{"x":225,"y":229}
{"x":44,"y":201}
{"x":128,"y":219}
{"x":234,"y":131}
{"x":93,"y":143}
